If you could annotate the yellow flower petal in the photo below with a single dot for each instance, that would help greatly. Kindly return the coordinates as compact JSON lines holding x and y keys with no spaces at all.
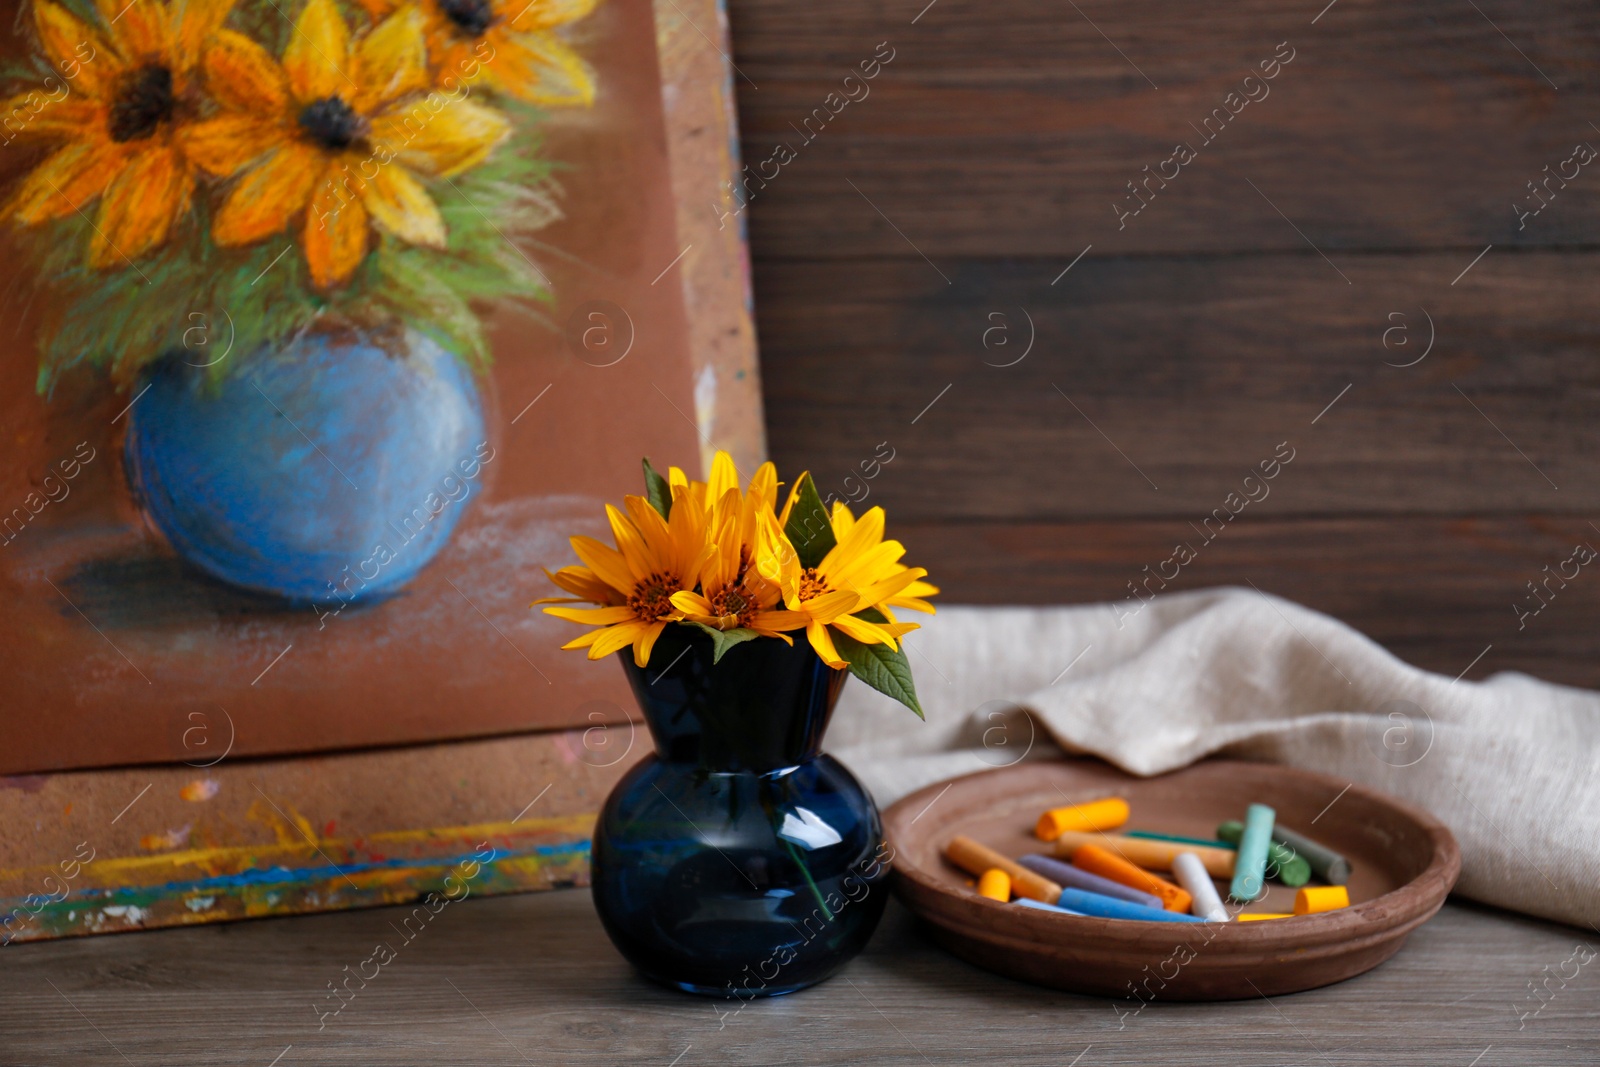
{"x":400,"y":204}
{"x":616,"y":637}
{"x":724,"y":476}
{"x":692,"y":604}
{"x":641,"y":556}
{"x":892,"y":586}
{"x":72,"y":45}
{"x":829,"y":606}
{"x":866,"y":532}
{"x":317,"y":58}
{"x":606,"y":562}
{"x":645,"y":643}
{"x":66,"y":181}
{"x":822,"y":643}
{"x":335,"y":232}
{"x":138,"y":29}
{"x":541,"y":69}
{"x":242,"y":76}
{"x":268,"y":196}
{"x":140,"y":206}
{"x":227,"y":144}
{"x":192,"y":22}
{"x":390,"y":61}
{"x":866,"y":632}
{"x":37,"y":116}
{"x":780,"y":620}
{"x":584,"y":583}
{"x":869,"y":566}
{"x":441,"y":136}
{"x":584,"y":640}
{"x":592,"y":616}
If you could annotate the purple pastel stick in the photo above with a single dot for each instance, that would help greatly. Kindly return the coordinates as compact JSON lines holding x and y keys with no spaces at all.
{"x":1069,"y":877}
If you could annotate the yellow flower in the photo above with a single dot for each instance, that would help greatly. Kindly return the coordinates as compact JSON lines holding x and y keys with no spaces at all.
{"x":325,"y":132}
{"x":119,"y":125}
{"x":735,"y":596}
{"x":633,"y":582}
{"x":509,"y":43}
{"x":911,"y":597}
{"x":862,"y":571}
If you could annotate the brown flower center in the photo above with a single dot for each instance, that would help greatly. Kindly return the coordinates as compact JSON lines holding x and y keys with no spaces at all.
{"x":143,"y":102}
{"x":734,"y":600}
{"x":332,"y":124}
{"x":812,"y":584}
{"x":471,"y":18}
{"x":652,"y":598}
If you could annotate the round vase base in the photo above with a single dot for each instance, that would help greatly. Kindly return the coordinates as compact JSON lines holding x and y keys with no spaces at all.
{"x":724,"y":993}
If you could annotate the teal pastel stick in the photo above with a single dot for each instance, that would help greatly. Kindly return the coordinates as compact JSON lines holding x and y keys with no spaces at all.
{"x":1086,"y":903}
{"x":1206,"y":842}
{"x":1250,"y":867}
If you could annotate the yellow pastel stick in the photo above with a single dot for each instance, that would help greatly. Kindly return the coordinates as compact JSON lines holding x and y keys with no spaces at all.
{"x":1144,"y":852}
{"x":996,"y":885}
{"x":1315,"y":898}
{"x":1254,"y":916}
{"x":1106,"y":814}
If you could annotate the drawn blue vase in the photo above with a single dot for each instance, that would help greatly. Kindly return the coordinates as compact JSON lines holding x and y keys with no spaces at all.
{"x":738,"y":860}
{"x":332,"y":468}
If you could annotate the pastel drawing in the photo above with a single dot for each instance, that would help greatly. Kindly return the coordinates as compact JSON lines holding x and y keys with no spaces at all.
{"x":275,"y":231}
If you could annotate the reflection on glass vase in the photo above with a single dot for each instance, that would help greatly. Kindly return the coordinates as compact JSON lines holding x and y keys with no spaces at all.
{"x":738,"y":859}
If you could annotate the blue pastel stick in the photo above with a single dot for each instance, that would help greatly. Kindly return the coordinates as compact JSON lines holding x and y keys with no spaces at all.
{"x":1066,"y":875}
{"x":1042,"y":906}
{"x":1087,"y":903}
{"x":1250,"y":866}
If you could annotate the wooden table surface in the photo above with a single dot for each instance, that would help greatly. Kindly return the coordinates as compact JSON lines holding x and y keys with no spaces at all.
{"x":531,"y":979}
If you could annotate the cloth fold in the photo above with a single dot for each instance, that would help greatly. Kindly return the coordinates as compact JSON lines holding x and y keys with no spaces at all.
{"x":1510,"y":764}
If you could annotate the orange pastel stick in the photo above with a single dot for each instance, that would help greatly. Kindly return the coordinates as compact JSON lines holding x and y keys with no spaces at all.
{"x":978,"y":859}
{"x":1097,"y":860}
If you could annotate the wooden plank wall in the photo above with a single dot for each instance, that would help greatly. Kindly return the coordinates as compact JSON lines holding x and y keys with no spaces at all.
{"x":1278,"y":280}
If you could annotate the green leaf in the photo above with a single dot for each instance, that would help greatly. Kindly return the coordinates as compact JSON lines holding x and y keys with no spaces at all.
{"x":657,"y":490}
{"x":886,"y":670}
{"x":722,"y":640}
{"x":808,"y":528}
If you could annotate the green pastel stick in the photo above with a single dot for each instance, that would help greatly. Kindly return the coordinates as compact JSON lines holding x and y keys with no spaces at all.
{"x":1283,"y":863}
{"x":1250,"y":869}
{"x":1325,"y":862}
{"x":1176,"y":839}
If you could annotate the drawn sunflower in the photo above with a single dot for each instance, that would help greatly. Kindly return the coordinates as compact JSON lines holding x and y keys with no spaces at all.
{"x":121,"y":126}
{"x":327,"y":132}
{"x":509,"y":43}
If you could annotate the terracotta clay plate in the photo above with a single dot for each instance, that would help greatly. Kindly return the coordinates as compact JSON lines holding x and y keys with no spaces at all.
{"x":1404,"y":862}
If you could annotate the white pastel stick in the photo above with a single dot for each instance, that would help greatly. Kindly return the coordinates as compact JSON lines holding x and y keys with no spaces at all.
{"x":1194,"y":877}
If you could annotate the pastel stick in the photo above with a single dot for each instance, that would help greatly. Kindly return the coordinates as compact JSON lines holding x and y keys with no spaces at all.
{"x":1065,"y":874}
{"x":1104,"y":907}
{"x":1250,"y":868}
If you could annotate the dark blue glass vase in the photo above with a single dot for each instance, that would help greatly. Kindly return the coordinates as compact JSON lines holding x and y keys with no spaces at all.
{"x":738,"y":860}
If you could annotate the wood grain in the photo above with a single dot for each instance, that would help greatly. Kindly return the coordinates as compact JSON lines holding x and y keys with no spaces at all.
{"x":1154,"y":384}
{"x":1245,"y":305}
{"x":532,"y":980}
{"x":1439,"y":593}
{"x":1011,"y":130}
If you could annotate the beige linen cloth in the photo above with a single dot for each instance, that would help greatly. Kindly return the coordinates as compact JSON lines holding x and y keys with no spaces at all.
{"x":1511,"y":764}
